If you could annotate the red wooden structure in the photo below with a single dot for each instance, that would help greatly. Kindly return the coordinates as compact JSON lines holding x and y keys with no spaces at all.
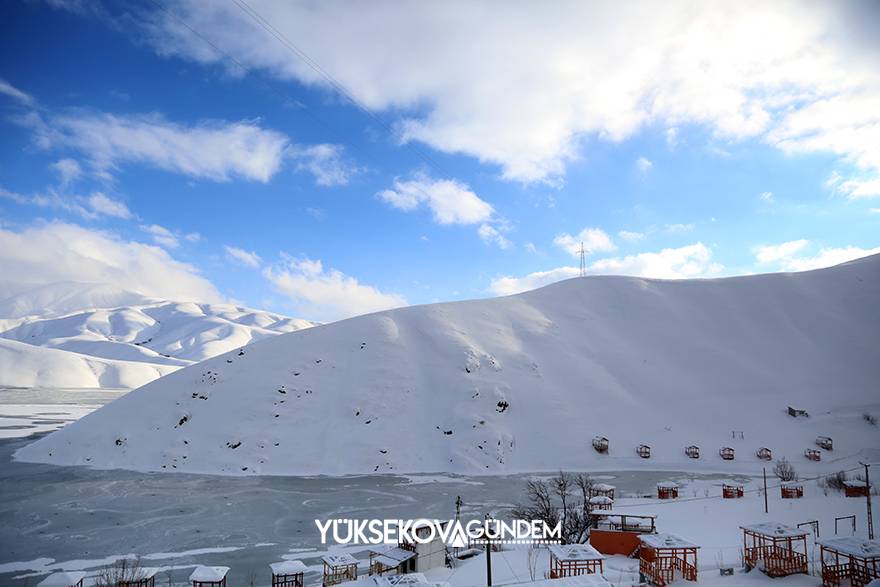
{"x":288,"y":573}
{"x":600,"y":502}
{"x":63,"y":579}
{"x":813,"y":454}
{"x":146,"y":577}
{"x":692,"y":451}
{"x":791,"y":490}
{"x":726,"y":453}
{"x":644,"y":451}
{"x":764,"y":453}
{"x":338,"y":568}
{"x":571,"y":560}
{"x":855,"y":488}
{"x":600,"y":443}
{"x":825,"y":442}
{"x":618,"y":532}
{"x":853,"y":560}
{"x":209,"y":576}
{"x":775,"y":548}
{"x":732,"y":491}
{"x":667,"y":490}
{"x":602,"y":490}
{"x":661,"y":555}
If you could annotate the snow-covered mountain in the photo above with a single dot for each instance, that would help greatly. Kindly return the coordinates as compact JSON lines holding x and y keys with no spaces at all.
{"x":93,"y":335}
{"x":523,"y":383}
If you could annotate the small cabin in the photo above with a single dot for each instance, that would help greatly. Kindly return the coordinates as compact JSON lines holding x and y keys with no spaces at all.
{"x":338,"y":568}
{"x":602,"y":490}
{"x":600,"y":443}
{"x":692,"y":451}
{"x":63,"y":579}
{"x":791,"y":490}
{"x":204,"y":576}
{"x":726,"y":453}
{"x":600,"y":502}
{"x":851,"y":559}
{"x":429,"y":553}
{"x":764,"y":453}
{"x":618,"y":532}
{"x":775,"y":548}
{"x":796,"y":413}
{"x":667,"y":490}
{"x":141,"y":577}
{"x":813,"y":454}
{"x":665,"y":557}
{"x":288,"y":573}
{"x":855,"y":488}
{"x":392,"y":559}
{"x":825,"y":442}
{"x":571,"y":560}
{"x":732,"y":491}
{"x":644,"y":451}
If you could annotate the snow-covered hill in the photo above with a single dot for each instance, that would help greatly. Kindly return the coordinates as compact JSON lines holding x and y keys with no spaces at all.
{"x":523,"y":383}
{"x":84,"y":338}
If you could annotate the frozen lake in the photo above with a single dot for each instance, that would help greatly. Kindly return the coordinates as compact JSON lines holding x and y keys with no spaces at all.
{"x":76,"y":518}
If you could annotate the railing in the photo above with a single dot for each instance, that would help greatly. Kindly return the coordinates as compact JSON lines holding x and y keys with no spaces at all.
{"x":833,"y":575}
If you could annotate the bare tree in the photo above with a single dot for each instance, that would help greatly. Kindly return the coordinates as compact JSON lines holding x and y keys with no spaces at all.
{"x":533,"y":561}
{"x":784,"y":470}
{"x":563,"y":500}
{"x":122,"y":571}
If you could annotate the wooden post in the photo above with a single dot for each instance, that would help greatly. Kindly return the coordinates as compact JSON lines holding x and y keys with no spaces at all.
{"x":868,"y":496}
{"x":488,"y":556}
{"x":766,"y":509}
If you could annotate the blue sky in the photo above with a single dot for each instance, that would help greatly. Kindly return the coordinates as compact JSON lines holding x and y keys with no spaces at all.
{"x":480,"y":154}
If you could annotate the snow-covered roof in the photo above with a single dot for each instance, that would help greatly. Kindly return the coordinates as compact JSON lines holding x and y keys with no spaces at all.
{"x":339,"y":559}
{"x":603,"y":487}
{"x":620,"y":513}
{"x":853,"y":546}
{"x":588,"y":580}
{"x":792,"y":484}
{"x":667,"y":485}
{"x":776,"y":529}
{"x":406,"y":580}
{"x":665,"y":541}
{"x":391,"y":556}
{"x":290,"y":567}
{"x":855,"y":483}
{"x":148,"y":572}
{"x":62,"y":579}
{"x":575,"y":552}
{"x":206,"y":574}
{"x":601,"y":500}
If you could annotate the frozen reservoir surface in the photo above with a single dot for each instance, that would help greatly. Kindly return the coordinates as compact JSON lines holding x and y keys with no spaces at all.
{"x":76,"y":518}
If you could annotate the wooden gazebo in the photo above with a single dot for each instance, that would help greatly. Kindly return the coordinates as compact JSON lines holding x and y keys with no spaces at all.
{"x":142,"y":577}
{"x":855,"y":488}
{"x":813,"y":454}
{"x":764,"y":453}
{"x":338,"y":568}
{"x":204,"y":576}
{"x":644,"y":451}
{"x":288,"y":573}
{"x":618,"y":532}
{"x":775,"y":548}
{"x":571,"y":560}
{"x":791,"y":490}
{"x":391,"y":559}
{"x":692,"y":451}
{"x":732,"y":491}
{"x":600,"y":443}
{"x":726,"y":453}
{"x":661,"y":555}
{"x":667,"y":490}
{"x":600,"y":502}
{"x":825,"y":442}
{"x":854,"y":559}
{"x":602,"y":490}
{"x":63,"y":579}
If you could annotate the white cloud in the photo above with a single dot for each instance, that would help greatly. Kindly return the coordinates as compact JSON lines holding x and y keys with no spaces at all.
{"x":325,"y":162}
{"x":679,"y":227}
{"x":491,"y":235}
{"x":631,"y":236}
{"x":530,"y":247}
{"x":684,"y":262}
{"x":11,"y":91}
{"x":772,"y":253}
{"x":644,"y":165}
{"x":854,"y":188}
{"x":450,"y":201}
{"x":327,"y":294}
{"x":68,"y":171}
{"x":800,"y":75}
{"x":161,"y":235}
{"x":767,"y":197}
{"x":874,"y":210}
{"x":247,"y":258}
{"x":672,"y":137}
{"x":91,"y":207}
{"x":594,"y":240}
{"x":214,"y":150}
{"x":48,"y":253}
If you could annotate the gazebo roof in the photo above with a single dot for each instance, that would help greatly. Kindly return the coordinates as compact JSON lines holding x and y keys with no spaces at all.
{"x":575,"y":552}
{"x":289,"y":567}
{"x":208,"y":574}
{"x":855,"y":483}
{"x":775,"y":529}
{"x":62,"y":579}
{"x":339,"y":559}
{"x":587,"y":580}
{"x":601,"y":500}
{"x":667,"y":485}
{"x":666,"y":541}
{"x":603,"y":487}
{"x":853,"y":546}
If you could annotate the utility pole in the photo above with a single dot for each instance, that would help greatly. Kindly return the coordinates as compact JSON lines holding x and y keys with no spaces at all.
{"x":766,"y":509}
{"x":488,"y":554}
{"x":870,"y":514}
{"x":583,"y":261}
